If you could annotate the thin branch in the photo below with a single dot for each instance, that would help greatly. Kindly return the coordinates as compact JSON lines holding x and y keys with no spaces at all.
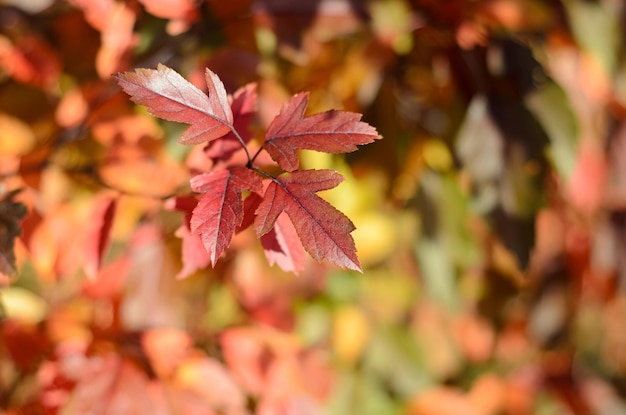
{"x":264,"y":173}
{"x":243,"y":144}
{"x":250,"y":161}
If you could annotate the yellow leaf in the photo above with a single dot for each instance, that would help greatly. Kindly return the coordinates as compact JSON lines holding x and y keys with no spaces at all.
{"x":375,"y":236}
{"x":437,"y":155}
{"x":16,"y":137}
{"x":350,"y":333}
{"x":23,"y":305}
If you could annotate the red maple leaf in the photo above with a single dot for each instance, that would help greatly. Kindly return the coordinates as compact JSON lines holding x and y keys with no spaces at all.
{"x":330,"y":132}
{"x":170,"y":96}
{"x":323,"y":230}
{"x":220,"y":210}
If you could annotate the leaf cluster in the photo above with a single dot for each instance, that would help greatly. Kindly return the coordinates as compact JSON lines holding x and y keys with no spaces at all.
{"x":216,"y":118}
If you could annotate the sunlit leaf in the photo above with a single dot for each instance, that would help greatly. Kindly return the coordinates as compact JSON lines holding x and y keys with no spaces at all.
{"x":323,"y":230}
{"x":330,"y":132}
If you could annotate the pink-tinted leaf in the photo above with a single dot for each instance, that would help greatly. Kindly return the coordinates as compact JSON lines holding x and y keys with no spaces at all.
{"x":587,"y":184}
{"x":185,"y":204}
{"x":111,"y":379}
{"x":244,"y":109}
{"x":220,"y":209}
{"x":323,"y":230}
{"x":96,"y":12}
{"x":208,"y":379}
{"x":117,"y":39}
{"x":246,"y":355}
{"x":330,"y":132}
{"x":166,"y":348}
{"x":98,"y":234}
{"x":170,"y":96}
{"x":250,"y":205}
{"x":194,"y":256}
{"x":283,"y":247}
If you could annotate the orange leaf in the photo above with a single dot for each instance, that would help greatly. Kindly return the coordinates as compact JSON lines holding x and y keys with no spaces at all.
{"x":110,"y":279}
{"x":166,"y":348}
{"x":30,"y":60}
{"x":210,"y":380}
{"x":143,"y":177}
{"x":117,"y":39}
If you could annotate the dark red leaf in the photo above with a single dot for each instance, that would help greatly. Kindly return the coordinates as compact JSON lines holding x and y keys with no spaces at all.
{"x":323,"y":230}
{"x":244,"y":108}
{"x":220,"y":209}
{"x":330,"y":132}
{"x":170,"y":96}
{"x":283,"y":247}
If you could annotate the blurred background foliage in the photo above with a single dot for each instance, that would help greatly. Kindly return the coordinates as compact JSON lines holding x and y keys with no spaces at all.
{"x":490,"y":218}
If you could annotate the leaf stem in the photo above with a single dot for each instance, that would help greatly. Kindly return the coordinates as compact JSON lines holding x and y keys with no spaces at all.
{"x":243,"y":144}
{"x":250,"y":161}
{"x":264,"y":173}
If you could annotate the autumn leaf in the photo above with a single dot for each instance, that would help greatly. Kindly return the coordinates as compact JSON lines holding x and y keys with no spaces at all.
{"x":330,"y":132}
{"x":246,"y":355}
{"x":209,"y":380}
{"x":165,"y":347}
{"x":98,"y":234}
{"x":250,"y":205}
{"x":110,"y":279}
{"x":31,"y":60}
{"x":142,"y":176}
{"x":16,"y":136}
{"x":194,"y":256}
{"x":112,"y":379}
{"x":323,"y":230}
{"x":117,"y":38}
{"x":220,"y":209}
{"x":244,"y":109}
{"x":96,"y":12}
{"x":283,"y":247}
{"x":170,"y":96}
